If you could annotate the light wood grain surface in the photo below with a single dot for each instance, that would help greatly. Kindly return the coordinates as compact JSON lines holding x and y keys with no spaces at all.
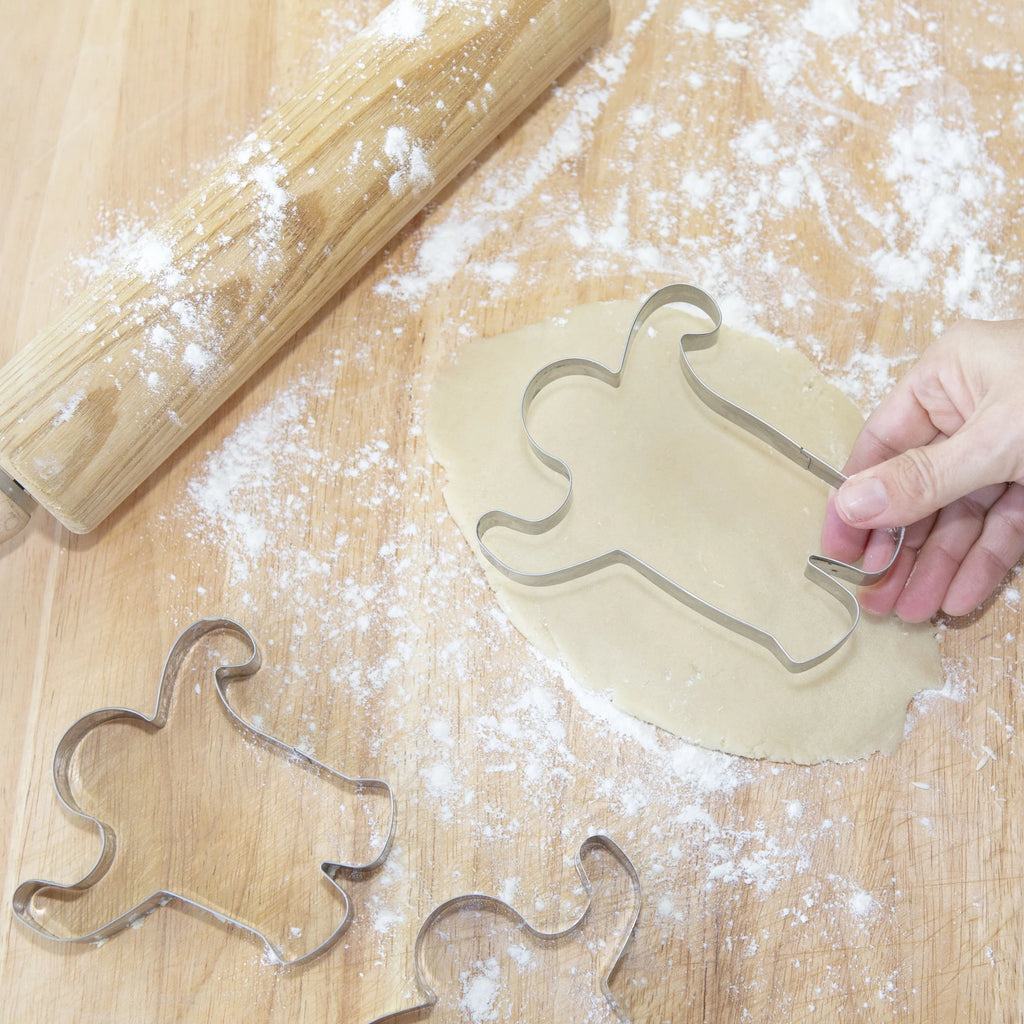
{"x":94,"y":404}
{"x":845,"y":177}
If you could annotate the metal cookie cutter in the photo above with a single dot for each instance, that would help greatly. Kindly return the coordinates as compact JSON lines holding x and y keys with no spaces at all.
{"x":825,"y":572}
{"x":24,"y":895}
{"x":592,"y":946}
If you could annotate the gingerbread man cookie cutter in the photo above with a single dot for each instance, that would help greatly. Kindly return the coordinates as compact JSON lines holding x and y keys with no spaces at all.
{"x":27,"y":892}
{"x":828,"y":573}
{"x":591,"y":947}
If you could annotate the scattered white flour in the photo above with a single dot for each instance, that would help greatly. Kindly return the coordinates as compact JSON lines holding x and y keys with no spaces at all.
{"x":240,"y":483}
{"x":67,"y":410}
{"x":152,"y":256}
{"x":868,"y":375}
{"x":362,"y":633}
{"x":273,"y":203}
{"x":196,"y":358}
{"x":735,"y":221}
{"x":520,"y":955}
{"x":401,"y":19}
{"x":358,"y":596}
{"x":831,"y":19}
{"x":182,"y":318}
{"x":408,"y":157}
{"x":946,"y":192}
{"x":480,"y":991}
{"x":861,"y":903}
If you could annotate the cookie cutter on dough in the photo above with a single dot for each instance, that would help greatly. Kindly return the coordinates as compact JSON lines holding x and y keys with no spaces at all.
{"x":824,"y":572}
{"x":25,"y":893}
{"x":612,"y":948}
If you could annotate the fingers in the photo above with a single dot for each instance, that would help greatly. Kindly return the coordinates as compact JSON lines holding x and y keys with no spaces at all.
{"x":906,"y":417}
{"x":871,"y":548}
{"x":969,"y":548}
{"x":944,"y":451}
{"x":839,"y":539}
{"x":900,"y":422}
{"x":955,"y":531}
{"x":882,"y":598}
{"x":997,"y":550}
{"x":920,"y":481}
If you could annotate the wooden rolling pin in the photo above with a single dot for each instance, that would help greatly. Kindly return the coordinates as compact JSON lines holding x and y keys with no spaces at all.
{"x":93,"y":405}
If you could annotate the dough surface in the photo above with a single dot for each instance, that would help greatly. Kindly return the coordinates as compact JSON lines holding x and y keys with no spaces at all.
{"x":658,"y":474}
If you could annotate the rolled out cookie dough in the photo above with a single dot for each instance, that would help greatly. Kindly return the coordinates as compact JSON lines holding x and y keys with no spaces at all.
{"x":659,"y":474}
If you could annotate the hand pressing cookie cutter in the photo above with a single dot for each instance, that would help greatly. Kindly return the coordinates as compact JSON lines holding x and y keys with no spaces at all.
{"x":822,"y":571}
{"x":585,"y":933}
{"x":22,"y":901}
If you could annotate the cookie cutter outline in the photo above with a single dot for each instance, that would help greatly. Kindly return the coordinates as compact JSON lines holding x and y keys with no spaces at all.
{"x":827,"y":573}
{"x":21,"y":901}
{"x":471,"y":901}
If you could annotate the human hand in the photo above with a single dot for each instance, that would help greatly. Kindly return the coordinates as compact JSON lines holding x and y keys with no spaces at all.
{"x":943,"y":455}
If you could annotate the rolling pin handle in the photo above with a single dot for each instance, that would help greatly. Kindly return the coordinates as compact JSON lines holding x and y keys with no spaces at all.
{"x":16,"y":506}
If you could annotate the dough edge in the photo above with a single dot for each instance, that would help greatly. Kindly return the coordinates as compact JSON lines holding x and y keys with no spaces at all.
{"x":750,"y":706}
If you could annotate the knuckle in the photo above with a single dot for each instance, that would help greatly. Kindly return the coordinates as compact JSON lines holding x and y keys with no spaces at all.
{"x":998,"y":432}
{"x":993,"y":566}
{"x":1009,"y":517}
{"x":1001,"y":543}
{"x":974,"y":508}
{"x":914,"y":475}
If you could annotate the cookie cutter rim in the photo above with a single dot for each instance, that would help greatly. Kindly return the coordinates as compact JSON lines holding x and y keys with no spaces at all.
{"x":469,"y":901}
{"x":21,"y":901}
{"x":827,"y":573}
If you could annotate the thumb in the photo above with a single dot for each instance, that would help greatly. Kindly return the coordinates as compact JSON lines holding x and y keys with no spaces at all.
{"x":916,"y":483}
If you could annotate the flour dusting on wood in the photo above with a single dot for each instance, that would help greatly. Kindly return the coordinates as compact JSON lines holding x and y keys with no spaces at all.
{"x":382,"y":602}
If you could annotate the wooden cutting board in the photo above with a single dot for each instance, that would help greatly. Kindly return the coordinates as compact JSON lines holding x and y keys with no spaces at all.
{"x":845,"y":177}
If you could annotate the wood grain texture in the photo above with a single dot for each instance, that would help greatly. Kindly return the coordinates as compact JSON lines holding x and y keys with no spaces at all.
{"x":142,"y":357}
{"x":847,"y":186}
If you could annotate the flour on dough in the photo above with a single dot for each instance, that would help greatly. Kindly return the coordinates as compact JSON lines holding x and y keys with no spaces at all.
{"x":659,"y":474}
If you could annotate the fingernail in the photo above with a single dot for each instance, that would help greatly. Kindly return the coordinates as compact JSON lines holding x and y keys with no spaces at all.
{"x":862,"y":499}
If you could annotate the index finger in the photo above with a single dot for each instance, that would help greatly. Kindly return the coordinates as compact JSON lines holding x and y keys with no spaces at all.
{"x":901,"y":421}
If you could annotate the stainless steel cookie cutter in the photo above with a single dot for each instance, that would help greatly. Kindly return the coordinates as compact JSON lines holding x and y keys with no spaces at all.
{"x":602,"y":932}
{"x":22,"y":901}
{"x":825,"y":572}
